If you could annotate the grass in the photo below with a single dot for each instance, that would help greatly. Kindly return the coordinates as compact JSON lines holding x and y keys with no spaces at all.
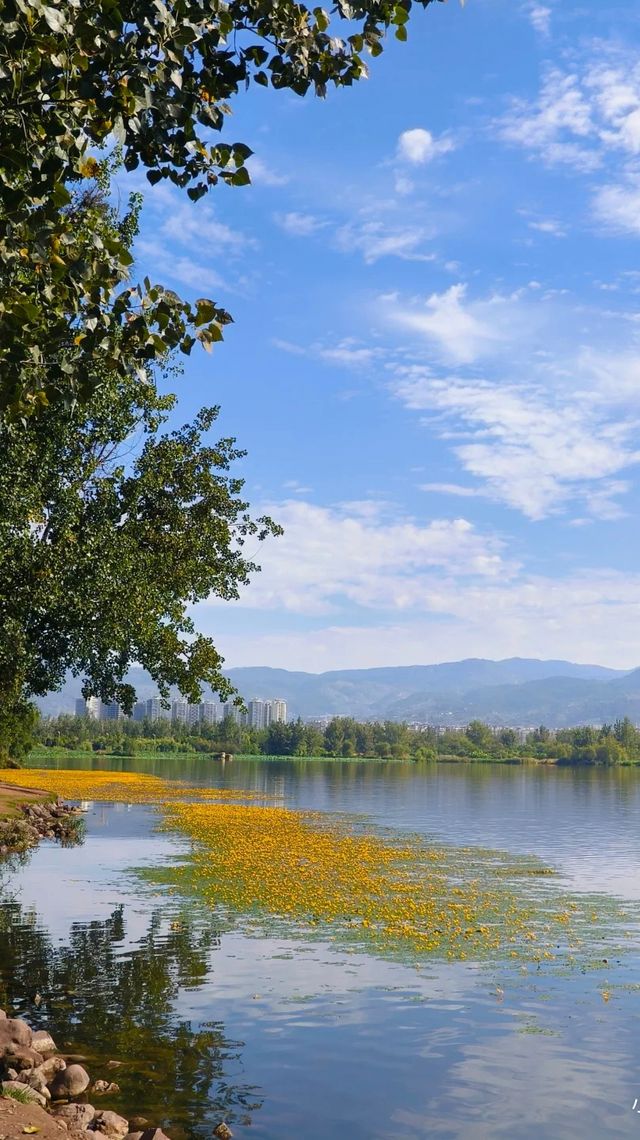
{"x":21,"y":1096}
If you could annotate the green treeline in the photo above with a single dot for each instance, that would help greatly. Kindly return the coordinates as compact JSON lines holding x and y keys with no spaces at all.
{"x":618,"y":743}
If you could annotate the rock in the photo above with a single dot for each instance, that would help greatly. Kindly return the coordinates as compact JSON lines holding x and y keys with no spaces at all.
{"x":21,"y":1057}
{"x":223,"y":1132}
{"x":14,"y":1031}
{"x":50,"y":1066}
{"x":69,"y":1082}
{"x":114,"y":1064}
{"x":24,"y":1090}
{"x":153,"y":1134}
{"x":139,"y":1122}
{"x":78,"y":1116}
{"x":12,"y":1075}
{"x":36,"y":1080}
{"x":133,"y":1136}
{"x":102,"y":1087}
{"x":2,"y":1015}
{"x":111,"y":1125}
{"x":43,"y":1042}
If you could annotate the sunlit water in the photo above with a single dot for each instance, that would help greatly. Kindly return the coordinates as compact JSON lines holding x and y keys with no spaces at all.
{"x":284,"y":1038}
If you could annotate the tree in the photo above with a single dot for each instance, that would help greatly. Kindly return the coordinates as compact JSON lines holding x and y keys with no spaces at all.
{"x":101,"y":554}
{"x":159,"y":78}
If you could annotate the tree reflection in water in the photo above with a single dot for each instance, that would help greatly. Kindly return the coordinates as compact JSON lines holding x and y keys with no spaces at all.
{"x":105,"y":998}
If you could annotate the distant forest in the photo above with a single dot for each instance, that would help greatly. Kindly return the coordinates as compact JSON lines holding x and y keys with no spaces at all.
{"x":617,"y":743}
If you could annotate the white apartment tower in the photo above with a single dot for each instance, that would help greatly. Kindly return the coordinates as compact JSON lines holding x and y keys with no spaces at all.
{"x":279,"y":710}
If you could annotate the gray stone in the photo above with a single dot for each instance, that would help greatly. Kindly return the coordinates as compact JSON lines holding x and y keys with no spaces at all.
{"x":69,"y":1082}
{"x":77,"y":1116}
{"x":24,"y":1090}
{"x":15,"y":1031}
{"x":36,"y":1080}
{"x":43,"y":1042}
{"x":111,"y":1125}
{"x":101,"y":1087}
{"x":50,"y":1066}
{"x":21,"y":1057}
{"x":153,"y":1134}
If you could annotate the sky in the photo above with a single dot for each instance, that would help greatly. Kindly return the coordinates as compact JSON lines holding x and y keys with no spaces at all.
{"x":435,"y":361}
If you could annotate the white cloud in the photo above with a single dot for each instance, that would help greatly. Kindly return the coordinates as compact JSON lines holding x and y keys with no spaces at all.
{"x":362,"y":554}
{"x":532,"y":450}
{"x":348,"y":352}
{"x":299,"y":225}
{"x":264,"y":175}
{"x":183,"y":270}
{"x":540,"y":18}
{"x":541,"y":422}
{"x":451,"y":489}
{"x":461,"y":330}
{"x":558,"y":126}
{"x":583,"y":115}
{"x":549,"y":226}
{"x":198,"y":227}
{"x":618,"y":206}
{"x":377,"y":239}
{"x":418,"y":146}
{"x":591,"y":616}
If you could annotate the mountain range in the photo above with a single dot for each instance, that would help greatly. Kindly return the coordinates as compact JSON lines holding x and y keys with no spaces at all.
{"x":517,"y":691}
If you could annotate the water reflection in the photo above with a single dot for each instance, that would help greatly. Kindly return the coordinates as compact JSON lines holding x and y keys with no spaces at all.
{"x":106,"y":997}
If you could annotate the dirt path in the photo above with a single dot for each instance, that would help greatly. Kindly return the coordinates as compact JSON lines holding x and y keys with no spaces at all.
{"x":12,"y":796}
{"x":17,"y":1121}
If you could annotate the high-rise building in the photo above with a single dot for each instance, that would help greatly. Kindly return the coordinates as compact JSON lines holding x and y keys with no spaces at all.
{"x":91,"y":707}
{"x":155,"y":710}
{"x":210,"y":712}
{"x":278,"y":710}
{"x":112,"y":711}
{"x":236,"y":714}
{"x":179,"y":712}
{"x":259,"y":713}
{"x":140,"y":710}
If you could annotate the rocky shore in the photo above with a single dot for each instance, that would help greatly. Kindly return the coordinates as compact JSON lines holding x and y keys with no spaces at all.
{"x":41,"y":1092}
{"x":37,"y":819}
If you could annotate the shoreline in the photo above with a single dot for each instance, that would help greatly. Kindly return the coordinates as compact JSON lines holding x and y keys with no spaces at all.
{"x":43,"y":754}
{"x":28,"y":815}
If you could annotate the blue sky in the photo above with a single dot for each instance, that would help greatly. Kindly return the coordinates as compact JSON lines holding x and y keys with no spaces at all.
{"x":435,"y":365}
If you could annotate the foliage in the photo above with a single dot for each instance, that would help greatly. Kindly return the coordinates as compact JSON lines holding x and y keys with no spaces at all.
{"x":18,"y":720}
{"x":345,"y":737}
{"x":158,"y":78}
{"x":100,"y":558}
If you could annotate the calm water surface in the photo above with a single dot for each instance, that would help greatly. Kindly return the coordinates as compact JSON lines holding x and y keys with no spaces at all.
{"x":287,"y":1039}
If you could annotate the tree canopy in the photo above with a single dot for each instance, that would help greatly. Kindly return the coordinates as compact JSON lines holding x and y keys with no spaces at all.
{"x":158,"y":78}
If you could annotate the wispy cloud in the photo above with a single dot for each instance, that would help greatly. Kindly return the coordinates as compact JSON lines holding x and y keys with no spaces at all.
{"x":300,"y":225}
{"x":462,"y":330}
{"x":540,"y":17}
{"x":262,"y":174}
{"x":377,"y":239}
{"x":384,"y":562}
{"x":538,"y":431}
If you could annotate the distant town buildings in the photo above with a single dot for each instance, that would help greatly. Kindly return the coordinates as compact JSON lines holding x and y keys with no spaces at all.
{"x":259,"y":713}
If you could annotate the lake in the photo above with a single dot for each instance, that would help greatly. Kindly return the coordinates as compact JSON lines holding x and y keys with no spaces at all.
{"x":286,"y":1038}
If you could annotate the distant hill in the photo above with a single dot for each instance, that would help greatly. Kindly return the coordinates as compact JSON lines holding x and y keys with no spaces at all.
{"x":517,"y":691}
